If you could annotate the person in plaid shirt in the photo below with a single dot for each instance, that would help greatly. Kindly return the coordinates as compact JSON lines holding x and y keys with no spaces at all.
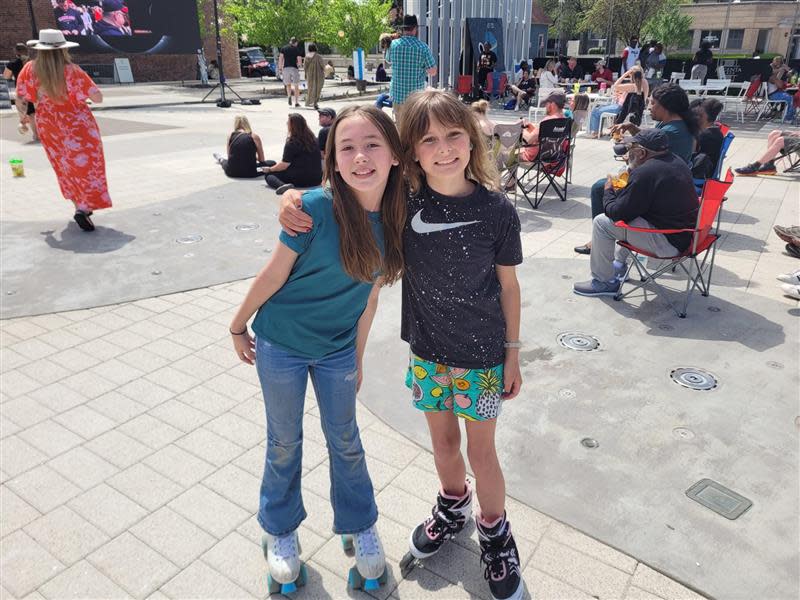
{"x":411,"y":61}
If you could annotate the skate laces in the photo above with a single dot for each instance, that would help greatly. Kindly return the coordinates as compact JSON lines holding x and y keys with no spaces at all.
{"x":497,"y":558}
{"x":440,"y":520}
{"x":285,"y":546}
{"x":368,"y":542}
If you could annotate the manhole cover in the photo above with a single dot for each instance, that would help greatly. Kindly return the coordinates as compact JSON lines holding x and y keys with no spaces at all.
{"x":773,"y":364}
{"x":683,"y":433}
{"x":247,"y":227}
{"x":190,"y":239}
{"x":590,"y":443}
{"x":693,"y":378}
{"x":579,"y":341}
{"x":717,"y":497}
{"x":566,"y":394}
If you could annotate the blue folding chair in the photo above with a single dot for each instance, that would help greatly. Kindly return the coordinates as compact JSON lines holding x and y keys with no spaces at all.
{"x":727,"y":140}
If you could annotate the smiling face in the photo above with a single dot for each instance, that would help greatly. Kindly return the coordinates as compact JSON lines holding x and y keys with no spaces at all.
{"x":363,"y":158}
{"x":443,"y":154}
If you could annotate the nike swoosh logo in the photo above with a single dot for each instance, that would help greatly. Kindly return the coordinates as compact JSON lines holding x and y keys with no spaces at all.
{"x":420,"y":226}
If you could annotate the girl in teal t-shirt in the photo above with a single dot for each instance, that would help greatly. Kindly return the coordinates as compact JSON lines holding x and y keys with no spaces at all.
{"x":316,"y":299}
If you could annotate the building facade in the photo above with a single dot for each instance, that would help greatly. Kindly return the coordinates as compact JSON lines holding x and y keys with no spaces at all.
{"x":746,"y":26}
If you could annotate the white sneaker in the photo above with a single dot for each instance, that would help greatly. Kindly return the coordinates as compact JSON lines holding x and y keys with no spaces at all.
{"x":370,"y":560}
{"x":791,"y":290}
{"x":283,"y":557}
{"x":217,"y":157}
{"x":793,"y":277}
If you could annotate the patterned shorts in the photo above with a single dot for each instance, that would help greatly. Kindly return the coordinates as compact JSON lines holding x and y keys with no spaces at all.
{"x":473,"y":394}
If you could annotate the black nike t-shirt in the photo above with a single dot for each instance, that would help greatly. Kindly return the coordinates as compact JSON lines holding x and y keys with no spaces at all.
{"x":451,"y":295}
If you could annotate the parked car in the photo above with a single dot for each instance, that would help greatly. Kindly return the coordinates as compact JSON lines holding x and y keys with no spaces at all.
{"x":254,"y":63}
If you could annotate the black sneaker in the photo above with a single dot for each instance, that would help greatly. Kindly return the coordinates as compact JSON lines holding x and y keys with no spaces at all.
{"x":448,"y":517}
{"x":749,"y":170}
{"x":83,"y":220}
{"x":290,"y":100}
{"x":501,"y":561}
{"x":767,"y":168}
{"x":793,"y":250}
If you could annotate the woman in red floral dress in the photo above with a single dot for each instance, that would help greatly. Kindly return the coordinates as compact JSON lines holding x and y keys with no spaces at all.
{"x":67,"y":129}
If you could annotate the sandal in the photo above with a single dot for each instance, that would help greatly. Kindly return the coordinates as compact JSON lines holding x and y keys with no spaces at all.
{"x":83,"y":220}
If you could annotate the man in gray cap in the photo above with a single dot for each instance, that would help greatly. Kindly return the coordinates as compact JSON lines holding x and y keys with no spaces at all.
{"x":326,"y":118}
{"x":659,"y":194}
{"x":114,"y":21}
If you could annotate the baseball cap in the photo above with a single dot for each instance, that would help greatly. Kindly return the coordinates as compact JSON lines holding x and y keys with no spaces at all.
{"x":651,"y":139}
{"x":328,"y":112}
{"x":112,"y":5}
{"x":558,"y":97}
{"x":409,"y":21}
{"x":601,"y":62}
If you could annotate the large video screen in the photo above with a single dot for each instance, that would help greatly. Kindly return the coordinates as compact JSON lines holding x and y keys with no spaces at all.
{"x":129,"y":26}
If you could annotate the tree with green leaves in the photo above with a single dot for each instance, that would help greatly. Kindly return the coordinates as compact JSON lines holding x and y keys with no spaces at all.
{"x":351,"y":24}
{"x":273,"y":22}
{"x":625,"y":16}
{"x":669,"y":26}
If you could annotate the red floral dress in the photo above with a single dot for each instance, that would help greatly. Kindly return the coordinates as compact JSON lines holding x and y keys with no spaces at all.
{"x":70,"y":137}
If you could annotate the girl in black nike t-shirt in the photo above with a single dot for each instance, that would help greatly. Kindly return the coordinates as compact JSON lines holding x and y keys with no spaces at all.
{"x":460,"y":316}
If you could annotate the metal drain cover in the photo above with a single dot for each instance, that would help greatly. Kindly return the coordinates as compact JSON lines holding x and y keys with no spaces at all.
{"x":590,"y":443}
{"x":694,"y":378}
{"x":579,"y":341}
{"x":247,"y":227}
{"x":718,"y":498}
{"x":190,"y":239}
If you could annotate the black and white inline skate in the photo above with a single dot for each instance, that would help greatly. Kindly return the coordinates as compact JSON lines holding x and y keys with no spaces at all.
{"x":370,"y":570}
{"x":286,"y":572}
{"x":448,"y":517}
{"x":500,"y":560}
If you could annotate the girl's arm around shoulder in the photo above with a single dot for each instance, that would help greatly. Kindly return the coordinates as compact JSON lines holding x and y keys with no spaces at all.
{"x":268,"y":281}
{"x":364,"y":325}
{"x":510,"y":305}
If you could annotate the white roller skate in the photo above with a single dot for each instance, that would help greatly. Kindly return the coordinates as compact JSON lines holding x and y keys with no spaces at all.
{"x":370,"y":570}
{"x":286,"y":572}
{"x":448,"y":517}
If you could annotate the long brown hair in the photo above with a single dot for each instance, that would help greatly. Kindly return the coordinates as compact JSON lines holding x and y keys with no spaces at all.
{"x":299,"y":131}
{"x":49,"y":70}
{"x":360,"y":255}
{"x":449,"y":111}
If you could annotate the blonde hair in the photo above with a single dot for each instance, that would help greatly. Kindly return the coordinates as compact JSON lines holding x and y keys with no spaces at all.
{"x":49,"y":68}
{"x":241,"y":122}
{"x":550,"y":65}
{"x":480,"y":107}
{"x":449,"y":111}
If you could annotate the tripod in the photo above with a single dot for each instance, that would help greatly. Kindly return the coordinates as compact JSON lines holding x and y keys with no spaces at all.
{"x":221,"y":84}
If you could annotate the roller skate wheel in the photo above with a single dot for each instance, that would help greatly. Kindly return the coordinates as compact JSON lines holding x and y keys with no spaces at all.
{"x":354,"y":579}
{"x":347,"y":543}
{"x":288,"y":588}
{"x":273,"y":586}
{"x":407,"y":563}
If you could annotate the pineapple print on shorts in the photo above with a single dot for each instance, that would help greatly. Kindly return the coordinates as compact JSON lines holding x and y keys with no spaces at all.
{"x":473,"y":394}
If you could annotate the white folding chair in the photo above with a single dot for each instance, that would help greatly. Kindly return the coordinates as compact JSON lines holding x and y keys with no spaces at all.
{"x":771,"y":104}
{"x":718,"y":85}
{"x":535,"y":109}
{"x":675,"y":77}
{"x":737,"y":103}
{"x":692,"y":87}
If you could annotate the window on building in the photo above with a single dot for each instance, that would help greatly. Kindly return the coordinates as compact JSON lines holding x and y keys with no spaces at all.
{"x":763,"y":41}
{"x":735,"y":39}
{"x":712,"y":36}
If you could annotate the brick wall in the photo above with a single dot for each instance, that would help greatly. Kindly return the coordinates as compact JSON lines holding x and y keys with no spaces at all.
{"x":15,"y":26}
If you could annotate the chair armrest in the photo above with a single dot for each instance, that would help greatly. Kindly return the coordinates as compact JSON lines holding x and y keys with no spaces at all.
{"x":624,"y":225}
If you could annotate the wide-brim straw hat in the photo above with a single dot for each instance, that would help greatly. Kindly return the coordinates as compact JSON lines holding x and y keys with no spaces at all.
{"x":51,"y":39}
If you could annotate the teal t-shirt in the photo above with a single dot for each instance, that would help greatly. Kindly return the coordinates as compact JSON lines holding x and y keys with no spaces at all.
{"x":316,"y":311}
{"x":681,"y":141}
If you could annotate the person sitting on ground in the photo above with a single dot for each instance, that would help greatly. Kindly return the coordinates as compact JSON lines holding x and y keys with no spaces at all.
{"x":660,"y":194}
{"x":380,"y":74}
{"x":572,"y":71}
{"x":709,"y":138}
{"x":776,"y":83}
{"x":669,"y":105}
{"x":244,"y":149}
{"x":601,"y":73}
{"x":326,"y":118}
{"x":631,"y":82}
{"x":300,"y":165}
{"x":330,"y":70}
{"x":524,"y":90}
{"x":778,"y":142}
{"x":548,"y":79}
{"x":480,"y":109}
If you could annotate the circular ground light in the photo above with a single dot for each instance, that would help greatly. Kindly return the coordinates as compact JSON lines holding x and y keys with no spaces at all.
{"x":694,"y":378}
{"x":190,"y":239}
{"x":579,"y":341}
{"x":590,"y":443}
{"x":774,"y":364}
{"x":566,"y":394}
{"x":247,"y":227}
{"x":683,"y":433}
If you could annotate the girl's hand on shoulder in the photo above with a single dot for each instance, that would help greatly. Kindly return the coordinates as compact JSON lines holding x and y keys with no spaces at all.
{"x":512,"y":378}
{"x":245,"y":347}
{"x":291,"y":216}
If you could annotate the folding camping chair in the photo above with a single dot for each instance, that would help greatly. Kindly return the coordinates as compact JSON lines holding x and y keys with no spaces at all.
{"x":727,"y":140}
{"x":550,"y":165}
{"x":704,"y":238}
{"x":793,"y":157}
{"x":754,"y":98}
{"x":507,"y":138}
{"x":464,"y":86}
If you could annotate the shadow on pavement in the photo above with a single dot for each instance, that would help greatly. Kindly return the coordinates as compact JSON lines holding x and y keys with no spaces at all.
{"x":73,"y":239}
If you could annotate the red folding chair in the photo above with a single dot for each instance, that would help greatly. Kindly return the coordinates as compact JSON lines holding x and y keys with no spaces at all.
{"x":464,"y":85}
{"x":704,"y":239}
